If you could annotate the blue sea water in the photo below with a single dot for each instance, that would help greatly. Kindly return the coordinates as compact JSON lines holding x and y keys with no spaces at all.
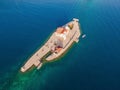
{"x":91,"y":64}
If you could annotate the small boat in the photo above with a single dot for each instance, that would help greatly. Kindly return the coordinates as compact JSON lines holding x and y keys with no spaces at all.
{"x":83,"y":36}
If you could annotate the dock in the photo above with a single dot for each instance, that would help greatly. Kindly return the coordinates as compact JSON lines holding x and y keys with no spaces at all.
{"x":58,"y":43}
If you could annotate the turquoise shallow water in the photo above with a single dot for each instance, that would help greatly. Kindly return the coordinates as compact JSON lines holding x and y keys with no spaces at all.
{"x":91,"y":64}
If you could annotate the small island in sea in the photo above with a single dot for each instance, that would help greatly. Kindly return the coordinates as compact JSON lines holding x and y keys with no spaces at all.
{"x":56,"y":45}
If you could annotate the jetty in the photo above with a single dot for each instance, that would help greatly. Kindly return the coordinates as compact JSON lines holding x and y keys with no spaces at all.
{"x":56,"y":45}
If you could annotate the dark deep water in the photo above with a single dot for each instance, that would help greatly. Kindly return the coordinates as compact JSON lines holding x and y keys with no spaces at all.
{"x":91,"y":64}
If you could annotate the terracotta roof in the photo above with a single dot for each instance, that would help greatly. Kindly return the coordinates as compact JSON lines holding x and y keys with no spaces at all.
{"x":58,"y":49}
{"x":61,"y":30}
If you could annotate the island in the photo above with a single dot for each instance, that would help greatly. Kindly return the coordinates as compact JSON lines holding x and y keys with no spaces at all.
{"x":61,"y":39}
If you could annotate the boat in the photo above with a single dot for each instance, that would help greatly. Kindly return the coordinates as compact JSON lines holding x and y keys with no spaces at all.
{"x":83,"y":36}
{"x":61,"y":39}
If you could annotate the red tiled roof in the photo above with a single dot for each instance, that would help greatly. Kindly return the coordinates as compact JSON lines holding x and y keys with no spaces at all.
{"x":61,"y":30}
